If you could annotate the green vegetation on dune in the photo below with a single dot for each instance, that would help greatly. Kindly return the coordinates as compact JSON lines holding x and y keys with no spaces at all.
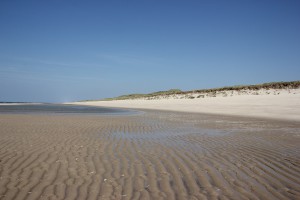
{"x":267,"y":86}
{"x":136,"y":96}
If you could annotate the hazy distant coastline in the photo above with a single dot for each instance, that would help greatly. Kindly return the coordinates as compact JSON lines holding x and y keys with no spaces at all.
{"x":7,"y":103}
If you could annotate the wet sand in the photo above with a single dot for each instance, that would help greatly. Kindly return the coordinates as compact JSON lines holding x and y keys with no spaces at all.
{"x":155,"y":155}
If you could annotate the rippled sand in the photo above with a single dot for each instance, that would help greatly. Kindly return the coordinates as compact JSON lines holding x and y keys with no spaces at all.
{"x":155,"y":155}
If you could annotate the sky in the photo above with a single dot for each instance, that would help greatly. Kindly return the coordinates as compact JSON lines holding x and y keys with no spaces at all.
{"x":60,"y":51}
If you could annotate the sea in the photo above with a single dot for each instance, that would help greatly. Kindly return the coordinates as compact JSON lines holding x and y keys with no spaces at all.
{"x":61,"y":109}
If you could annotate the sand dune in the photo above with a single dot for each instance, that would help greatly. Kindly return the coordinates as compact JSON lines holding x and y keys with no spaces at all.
{"x":276,"y":104}
{"x":155,"y":155}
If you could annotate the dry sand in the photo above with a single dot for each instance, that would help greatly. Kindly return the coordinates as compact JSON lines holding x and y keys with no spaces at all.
{"x":155,"y":155}
{"x":275,"y":104}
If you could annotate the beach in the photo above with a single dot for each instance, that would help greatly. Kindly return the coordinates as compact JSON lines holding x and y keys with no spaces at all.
{"x":150,"y":100}
{"x":281,"y":104}
{"x":148,"y":155}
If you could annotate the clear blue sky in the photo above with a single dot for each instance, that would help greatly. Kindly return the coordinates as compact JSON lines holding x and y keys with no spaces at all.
{"x":55,"y":51}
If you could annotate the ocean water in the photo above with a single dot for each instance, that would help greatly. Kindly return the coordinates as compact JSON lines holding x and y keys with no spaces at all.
{"x":62,"y":109}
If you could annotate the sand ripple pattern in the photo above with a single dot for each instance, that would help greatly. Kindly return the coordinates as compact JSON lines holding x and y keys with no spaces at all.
{"x":156,"y":155}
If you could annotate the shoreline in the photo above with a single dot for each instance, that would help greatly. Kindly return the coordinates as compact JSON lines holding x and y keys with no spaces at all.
{"x":16,"y":104}
{"x":283,"y":106}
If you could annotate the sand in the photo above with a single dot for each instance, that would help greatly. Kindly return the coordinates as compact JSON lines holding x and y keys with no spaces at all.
{"x":274,"y":104}
{"x":155,"y":155}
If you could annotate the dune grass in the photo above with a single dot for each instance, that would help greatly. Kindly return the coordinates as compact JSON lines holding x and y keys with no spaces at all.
{"x":267,"y":86}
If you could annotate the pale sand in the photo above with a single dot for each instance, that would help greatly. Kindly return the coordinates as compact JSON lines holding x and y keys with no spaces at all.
{"x":280,"y":104}
{"x":156,"y":155}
